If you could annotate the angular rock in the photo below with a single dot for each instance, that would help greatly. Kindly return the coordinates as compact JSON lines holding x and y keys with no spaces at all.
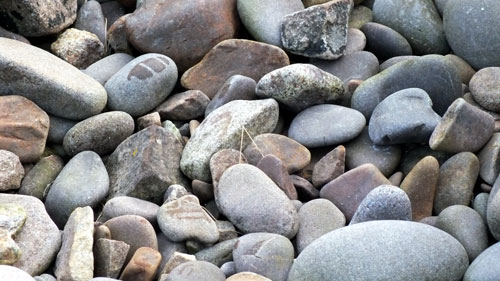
{"x":75,"y":260}
{"x":348,"y":190}
{"x":385,"y":42}
{"x":66,"y":193}
{"x":329,"y":167}
{"x":23,"y":127}
{"x":11,"y":171}
{"x":313,"y":127}
{"x":253,"y":203}
{"x":145,"y":164}
{"x":148,"y":120}
{"x":109,"y":257}
{"x":60,"y":88}
{"x":319,"y":31}
{"x":484,"y":88}
{"x":490,"y":160}
{"x":80,"y":48}
{"x":117,"y":36}
{"x":103,"y":69}
{"x":277,"y":172}
{"x":184,"y":106}
{"x":141,"y":84}
{"x":101,"y":133}
{"x":171,"y":28}
{"x":196,"y":270}
{"x":254,"y":60}
{"x":12,"y":219}
{"x":176,"y":260}
{"x":434,"y":74}
{"x":385,"y":202}
{"x":142,"y":266}
{"x":125,"y":205}
{"x":38,"y":180}
{"x":463,"y":128}
{"x":236,"y":87}
{"x":223,"y":128}
{"x":382,"y":250}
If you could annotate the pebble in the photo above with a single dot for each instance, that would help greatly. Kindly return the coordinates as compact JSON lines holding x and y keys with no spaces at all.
{"x":356,"y":41}
{"x":473,"y":39}
{"x":493,"y":211}
{"x":223,"y":129}
{"x":329,"y":167}
{"x":222,"y":160}
{"x":274,"y":168}
{"x":319,"y":31}
{"x":12,"y":218}
{"x":385,"y":42}
{"x":109,"y":256}
{"x":58,"y":129}
{"x":184,"y":219}
{"x":359,"y":16}
{"x":254,"y":59}
{"x":457,"y":177}
{"x":485,"y":89}
{"x":75,"y":260}
{"x":141,"y":84}
{"x":484,"y":267}
{"x":145,"y":164}
{"x":148,"y":120}
{"x":13,"y":273}
{"x":125,"y":205}
{"x":91,"y":18}
{"x":175,"y":260}
{"x":316,"y":218}
{"x":489,"y":159}
{"x":382,"y":250}
{"x":117,"y":36}
{"x":78,"y":96}
{"x":219,"y":253}
{"x":257,"y":204}
{"x":267,"y":254}
{"x":464,"y":69}
{"x":467,"y":226}
{"x":195,"y":271}
{"x":170,"y":28}
{"x":174,"y":192}
{"x":480,"y":204}
{"x":227,"y":231}
{"x":420,"y":185}
{"x":11,"y":171}
{"x":142,"y":266}
{"x":396,"y":178}
{"x":65,"y":194}
{"x":395,"y":60}
{"x":460,"y":122}
{"x":39,"y":239}
{"x":418,"y":21}
{"x":11,"y":35}
{"x":101,"y":133}
{"x":313,"y":128}
{"x":348,"y":190}
{"x":204,"y":191}
{"x":184,"y":106}
{"x":24,"y":127}
{"x":299,"y":86}
{"x":305,"y":190}
{"x":264,"y":19}
{"x":80,"y":48}
{"x":362,"y":150}
{"x":247,"y":276}
{"x":103,"y":69}
{"x":167,"y":249}
{"x":385,"y":202}
{"x":45,"y":277}
{"x":236,"y":87}
{"x":405,"y":116}
{"x":38,"y":180}
{"x":279,"y":146}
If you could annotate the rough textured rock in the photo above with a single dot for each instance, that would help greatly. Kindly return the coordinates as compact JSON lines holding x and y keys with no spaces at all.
{"x":223,"y":128}
{"x":57,"y":87}
{"x":319,"y":31}
{"x":382,"y":250}
{"x":12,"y":219}
{"x":184,"y":106}
{"x":236,"y":87}
{"x":142,"y":266}
{"x":24,"y":127}
{"x":484,"y":266}
{"x":329,"y":167}
{"x":109,"y":257}
{"x":11,"y":171}
{"x":254,"y":60}
{"x":299,"y":86}
{"x":170,"y":28}
{"x":145,"y":164}
{"x":80,"y":48}
{"x":101,"y":133}
{"x":38,"y":180}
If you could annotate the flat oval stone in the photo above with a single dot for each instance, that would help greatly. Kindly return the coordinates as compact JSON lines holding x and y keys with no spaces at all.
{"x":299,"y":86}
{"x":171,"y":28}
{"x":464,"y":127}
{"x":11,"y":171}
{"x":13,"y":273}
{"x":263,"y":19}
{"x":279,"y":146}
{"x":195,"y":271}
{"x":184,"y":106}
{"x":253,"y":202}
{"x":313,"y":127}
{"x":484,"y":267}
{"x":103,"y":69}
{"x":60,"y":88}
{"x":493,"y":211}
{"x":316,"y":218}
{"x":218,"y":254}
{"x":65,"y":194}
{"x":484,"y":88}
{"x":403,"y":117}
{"x":24,"y":127}
{"x":142,"y":84}
{"x":101,"y":133}
{"x":254,"y":59}
{"x":267,"y":254}
{"x":434,"y":74}
{"x":489,"y":157}
{"x":471,"y":33}
{"x":384,"y":41}
{"x":385,"y":202}
{"x":125,"y":205}
{"x":418,"y":21}
{"x":236,"y":87}
{"x":382,"y":250}
{"x":467,"y":226}
{"x":38,"y":180}
{"x":348,"y":190}
{"x":222,"y":129}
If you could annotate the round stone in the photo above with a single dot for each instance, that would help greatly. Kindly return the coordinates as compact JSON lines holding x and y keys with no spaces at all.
{"x":125,"y":205}
{"x":485,"y":88}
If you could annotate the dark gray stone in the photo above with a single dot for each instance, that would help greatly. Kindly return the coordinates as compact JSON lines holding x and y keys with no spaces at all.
{"x":384,"y":41}
{"x":394,"y":60}
{"x":11,"y":35}
{"x":58,"y":129}
{"x":112,"y":10}
{"x":485,"y":266}
{"x":237,"y":87}
{"x":103,"y":69}
{"x":90,"y":18}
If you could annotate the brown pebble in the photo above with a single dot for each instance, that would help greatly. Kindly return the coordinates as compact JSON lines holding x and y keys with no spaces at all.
{"x":142,"y":266}
{"x":396,"y":178}
{"x":203,"y":190}
{"x":274,"y":169}
{"x":329,"y":167}
{"x":148,"y":120}
{"x":109,"y":257}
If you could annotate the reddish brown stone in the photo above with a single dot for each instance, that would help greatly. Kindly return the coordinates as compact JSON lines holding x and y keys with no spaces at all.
{"x":23,"y":127}
{"x":348,"y":190}
{"x":329,"y":167}
{"x":230,"y":57}
{"x":182,"y":30}
{"x":222,"y":160}
{"x":276,"y":170}
{"x":305,"y":190}
{"x":117,"y":36}
{"x":184,"y":106}
{"x":142,"y":266}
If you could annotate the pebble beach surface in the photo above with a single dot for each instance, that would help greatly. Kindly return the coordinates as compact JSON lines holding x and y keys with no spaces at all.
{"x":250,"y":140}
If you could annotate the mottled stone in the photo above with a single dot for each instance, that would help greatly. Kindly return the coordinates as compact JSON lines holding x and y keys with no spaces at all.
{"x":274,"y":168}
{"x":109,"y":257}
{"x":236,"y":87}
{"x":80,"y":48}
{"x":11,"y":171}
{"x":195,"y":271}
{"x":125,"y":205}
{"x":254,"y":60}
{"x":329,"y":167}
{"x":184,"y":106}
{"x":90,"y":18}
{"x":142,"y":266}
{"x":148,"y":120}
{"x":103,"y":69}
